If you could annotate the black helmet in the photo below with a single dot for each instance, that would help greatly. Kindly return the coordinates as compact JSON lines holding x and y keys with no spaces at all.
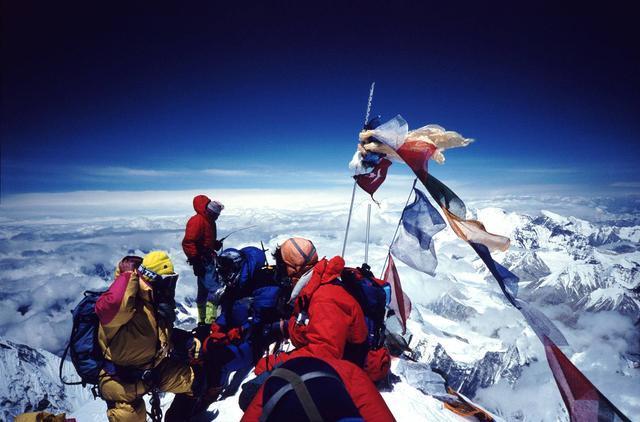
{"x":229,"y":264}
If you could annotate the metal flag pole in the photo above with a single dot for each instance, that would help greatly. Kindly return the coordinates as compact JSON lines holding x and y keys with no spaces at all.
{"x":397,"y":227}
{"x":366,"y":244}
{"x":353,"y":194}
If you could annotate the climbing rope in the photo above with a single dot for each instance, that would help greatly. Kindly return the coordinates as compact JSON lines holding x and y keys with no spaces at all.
{"x":156,"y":410}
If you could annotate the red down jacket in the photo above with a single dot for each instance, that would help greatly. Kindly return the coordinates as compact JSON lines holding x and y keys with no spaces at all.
{"x":364,"y":394}
{"x":335,"y":318}
{"x":200,"y":235}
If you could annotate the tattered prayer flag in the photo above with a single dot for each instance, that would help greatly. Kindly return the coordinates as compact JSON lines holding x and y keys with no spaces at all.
{"x":446,"y":198}
{"x":474,"y":231}
{"x":370,"y":182}
{"x":540,"y":324}
{"x":389,"y":137}
{"x":400,"y":302}
{"x":414,"y":244}
{"x":508,"y":282}
{"x":414,"y":152}
{"x":441,"y":138}
{"x":584,"y":402}
{"x":455,"y":211}
{"x":506,"y":279}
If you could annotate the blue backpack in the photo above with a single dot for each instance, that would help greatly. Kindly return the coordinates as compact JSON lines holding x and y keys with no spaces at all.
{"x":372,"y":297}
{"x":86,"y":356}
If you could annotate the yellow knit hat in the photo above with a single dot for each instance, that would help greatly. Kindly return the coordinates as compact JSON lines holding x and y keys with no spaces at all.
{"x":156,"y":262}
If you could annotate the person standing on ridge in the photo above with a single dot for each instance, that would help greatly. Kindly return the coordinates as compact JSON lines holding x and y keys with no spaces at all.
{"x":200,"y":245}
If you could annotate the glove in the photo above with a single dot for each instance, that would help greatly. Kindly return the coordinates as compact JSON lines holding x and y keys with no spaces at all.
{"x":215,"y":338}
{"x":217,"y":245}
{"x":235,"y":335}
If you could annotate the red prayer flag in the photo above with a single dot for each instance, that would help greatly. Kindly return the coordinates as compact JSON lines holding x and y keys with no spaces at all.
{"x":400,"y":302}
{"x":416,"y":154}
{"x":370,"y":182}
{"x":584,"y":402}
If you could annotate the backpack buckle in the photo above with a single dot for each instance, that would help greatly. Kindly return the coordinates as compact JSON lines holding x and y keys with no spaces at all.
{"x":302,"y":318}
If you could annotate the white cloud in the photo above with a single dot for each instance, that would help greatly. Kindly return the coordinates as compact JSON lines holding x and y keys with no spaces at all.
{"x":625,"y":185}
{"x":226,"y":172}
{"x":543,"y":170}
{"x":128,"y":172}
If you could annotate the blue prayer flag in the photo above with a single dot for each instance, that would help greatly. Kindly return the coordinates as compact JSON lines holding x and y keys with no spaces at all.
{"x":414,"y":245}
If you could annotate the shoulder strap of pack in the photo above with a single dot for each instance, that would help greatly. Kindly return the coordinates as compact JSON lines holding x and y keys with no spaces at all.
{"x":66,"y":351}
{"x":296,"y":382}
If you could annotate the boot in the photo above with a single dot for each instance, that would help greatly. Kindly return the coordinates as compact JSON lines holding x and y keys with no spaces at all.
{"x":211,"y":312}
{"x":206,"y":400}
{"x":202,"y":313}
{"x":181,"y":409}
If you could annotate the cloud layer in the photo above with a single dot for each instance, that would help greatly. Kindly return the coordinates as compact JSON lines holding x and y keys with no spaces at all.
{"x":54,"y":246}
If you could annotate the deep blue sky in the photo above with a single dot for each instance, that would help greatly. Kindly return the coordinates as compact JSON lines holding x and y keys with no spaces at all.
{"x":143,"y":96}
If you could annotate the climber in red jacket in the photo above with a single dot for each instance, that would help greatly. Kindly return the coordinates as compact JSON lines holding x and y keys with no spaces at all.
{"x":326,"y":318}
{"x":200,"y":245}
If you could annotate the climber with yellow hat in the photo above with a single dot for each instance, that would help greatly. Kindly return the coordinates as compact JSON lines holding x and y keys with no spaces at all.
{"x":136,"y":316}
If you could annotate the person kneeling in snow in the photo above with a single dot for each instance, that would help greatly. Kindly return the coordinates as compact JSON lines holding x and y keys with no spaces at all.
{"x":325,"y":318}
{"x":136,"y":316}
{"x":328,"y":322}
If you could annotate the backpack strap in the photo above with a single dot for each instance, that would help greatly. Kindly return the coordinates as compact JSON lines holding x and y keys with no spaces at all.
{"x":62,"y":360}
{"x":296,"y":383}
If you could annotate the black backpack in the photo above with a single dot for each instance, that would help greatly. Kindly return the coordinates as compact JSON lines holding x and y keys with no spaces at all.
{"x":306,"y":389}
{"x":86,"y":356}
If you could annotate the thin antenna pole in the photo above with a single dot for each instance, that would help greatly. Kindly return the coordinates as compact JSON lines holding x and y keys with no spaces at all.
{"x":398,"y":227}
{"x":366,"y":117}
{"x":346,"y":232}
{"x":353,"y":194}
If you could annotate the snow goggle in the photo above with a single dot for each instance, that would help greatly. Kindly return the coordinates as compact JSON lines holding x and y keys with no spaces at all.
{"x":160,"y":279}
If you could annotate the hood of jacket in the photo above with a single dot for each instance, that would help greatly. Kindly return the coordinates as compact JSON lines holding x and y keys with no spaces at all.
{"x":200,"y":203}
{"x":325,"y":271}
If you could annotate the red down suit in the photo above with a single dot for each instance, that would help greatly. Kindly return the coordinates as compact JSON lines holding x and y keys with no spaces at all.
{"x":199,"y":241}
{"x":334,"y":318}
